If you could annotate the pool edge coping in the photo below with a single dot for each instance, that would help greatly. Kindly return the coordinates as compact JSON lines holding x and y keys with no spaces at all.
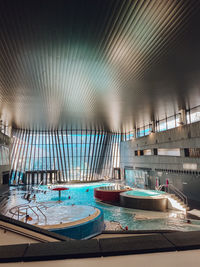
{"x":73,"y":249}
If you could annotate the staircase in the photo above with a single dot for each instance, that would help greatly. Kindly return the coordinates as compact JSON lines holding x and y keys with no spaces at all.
{"x":176,"y":199}
{"x":175,"y":202}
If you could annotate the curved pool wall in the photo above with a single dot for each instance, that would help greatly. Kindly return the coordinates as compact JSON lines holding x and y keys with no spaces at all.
{"x":84,"y":230}
{"x":154,"y":202}
{"x":108,"y":193}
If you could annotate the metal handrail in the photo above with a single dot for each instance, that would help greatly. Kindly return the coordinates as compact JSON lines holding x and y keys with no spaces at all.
{"x":34,"y":212}
{"x":176,"y":193}
{"x":16,"y":212}
{"x":179,"y":193}
{"x":45,"y":218}
{"x":18,"y":209}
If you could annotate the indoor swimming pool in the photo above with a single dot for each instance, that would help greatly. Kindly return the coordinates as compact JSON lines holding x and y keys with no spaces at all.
{"x":83,"y":194}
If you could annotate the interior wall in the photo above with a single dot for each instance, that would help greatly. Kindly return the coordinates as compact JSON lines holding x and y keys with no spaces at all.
{"x":186,"y":179}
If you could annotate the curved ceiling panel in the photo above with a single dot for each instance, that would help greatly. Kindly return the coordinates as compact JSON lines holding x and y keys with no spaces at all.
{"x":108,"y":64}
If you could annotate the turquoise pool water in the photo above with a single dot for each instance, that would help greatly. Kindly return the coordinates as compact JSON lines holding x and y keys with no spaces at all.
{"x":82,"y":194}
{"x":144,"y":193}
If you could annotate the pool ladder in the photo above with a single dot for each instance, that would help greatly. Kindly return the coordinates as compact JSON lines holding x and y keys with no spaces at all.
{"x":23,"y":210}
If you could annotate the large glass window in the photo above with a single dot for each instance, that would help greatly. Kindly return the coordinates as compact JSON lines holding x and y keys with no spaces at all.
{"x":140,"y":132}
{"x":192,"y":115}
{"x":195,"y":114}
{"x":135,"y":178}
{"x":162,"y":125}
{"x":74,"y":154}
{"x":147,"y":130}
{"x":171,"y":122}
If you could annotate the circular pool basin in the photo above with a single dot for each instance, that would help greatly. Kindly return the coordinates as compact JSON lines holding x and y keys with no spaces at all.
{"x":109,"y":193}
{"x":74,"y":221}
{"x":144,"y":200}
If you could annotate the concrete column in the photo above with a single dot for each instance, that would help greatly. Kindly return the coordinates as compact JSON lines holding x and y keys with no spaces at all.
{"x":134,"y":132}
{"x":153,"y":126}
{"x":182,"y":113}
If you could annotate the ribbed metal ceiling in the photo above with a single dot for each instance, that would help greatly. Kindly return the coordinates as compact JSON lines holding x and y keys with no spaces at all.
{"x":106,"y":63}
